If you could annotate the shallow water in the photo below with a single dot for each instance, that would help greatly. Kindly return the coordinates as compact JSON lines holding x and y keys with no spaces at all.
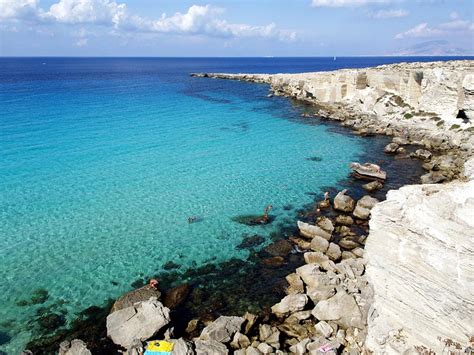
{"x":103,"y":161}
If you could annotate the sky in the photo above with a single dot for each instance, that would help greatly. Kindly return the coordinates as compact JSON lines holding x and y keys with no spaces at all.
{"x":236,"y":27}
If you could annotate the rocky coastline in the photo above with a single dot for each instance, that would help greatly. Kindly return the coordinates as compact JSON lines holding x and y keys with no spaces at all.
{"x":373,"y":273}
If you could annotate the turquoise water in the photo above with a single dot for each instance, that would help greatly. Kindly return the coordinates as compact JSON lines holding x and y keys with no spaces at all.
{"x":103,"y":161}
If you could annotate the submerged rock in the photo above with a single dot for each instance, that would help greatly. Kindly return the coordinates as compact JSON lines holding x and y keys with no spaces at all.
{"x":251,"y":241}
{"x":372,"y":186}
{"x":281,"y":247}
{"x":176,"y":296}
{"x":140,"y":321}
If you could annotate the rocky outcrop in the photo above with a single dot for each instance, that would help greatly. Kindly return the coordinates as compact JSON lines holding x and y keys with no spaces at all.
{"x":74,"y":347}
{"x":420,"y":254}
{"x":140,"y":321}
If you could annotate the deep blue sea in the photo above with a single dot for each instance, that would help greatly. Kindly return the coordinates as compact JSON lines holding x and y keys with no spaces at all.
{"x":102,"y":161}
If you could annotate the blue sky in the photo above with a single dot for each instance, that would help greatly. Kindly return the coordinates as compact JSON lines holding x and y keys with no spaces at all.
{"x":236,"y":27}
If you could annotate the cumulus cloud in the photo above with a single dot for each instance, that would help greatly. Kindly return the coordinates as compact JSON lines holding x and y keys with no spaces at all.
{"x":343,"y":3}
{"x":18,"y":9}
{"x":386,"y":14}
{"x":198,"y":20}
{"x":455,"y":26}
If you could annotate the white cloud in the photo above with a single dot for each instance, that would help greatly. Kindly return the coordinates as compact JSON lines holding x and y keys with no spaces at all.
{"x":343,"y":3}
{"x":456,"y":26}
{"x":421,"y":30}
{"x":386,"y":14}
{"x":17,"y":9}
{"x":81,"y":42}
{"x":198,"y":20}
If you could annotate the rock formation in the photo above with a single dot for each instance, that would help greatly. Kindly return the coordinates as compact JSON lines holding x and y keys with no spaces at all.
{"x":420,"y":262}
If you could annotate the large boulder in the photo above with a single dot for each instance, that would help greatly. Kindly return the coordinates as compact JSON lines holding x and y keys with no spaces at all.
{"x":139,"y":295}
{"x":210,"y":347}
{"x":140,"y":321}
{"x":222,"y":329}
{"x":319,"y":244}
{"x":363,"y":207}
{"x":312,"y":276}
{"x":290,"y":304}
{"x":176,"y":296}
{"x":341,"y":308}
{"x":74,"y":347}
{"x":310,"y":231}
{"x":343,"y":202}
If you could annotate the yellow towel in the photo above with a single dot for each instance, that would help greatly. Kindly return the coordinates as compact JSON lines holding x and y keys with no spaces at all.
{"x":160,"y":345}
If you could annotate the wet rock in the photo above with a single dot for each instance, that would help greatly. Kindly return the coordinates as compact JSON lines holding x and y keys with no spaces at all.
{"x":310,"y":231}
{"x":222,"y":329}
{"x":192,"y":325}
{"x":39,"y":296}
{"x":319,"y":244}
{"x":301,"y":243}
{"x":275,"y":261}
{"x":363,"y":207}
{"x":141,"y":321}
{"x":391,"y":148}
{"x":344,"y":220}
{"x":74,"y":347}
{"x":170,"y":265}
{"x":341,"y":308}
{"x":373,"y":186}
{"x":251,"y":241}
{"x":210,"y":347}
{"x":289,"y":304}
{"x":295,"y":284}
{"x":343,"y":202}
{"x":334,"y":252}
{"x":281,"y":247}
{"x":176,"y":296}
{"x":139,"y":295}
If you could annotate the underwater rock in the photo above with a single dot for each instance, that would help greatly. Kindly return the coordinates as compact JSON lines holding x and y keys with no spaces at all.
{"x":176,"y":296}
{"x":281,"y":247}
{"x":250,"y":241}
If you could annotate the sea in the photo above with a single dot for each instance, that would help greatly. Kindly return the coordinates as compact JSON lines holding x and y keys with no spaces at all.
{"x":104,"y":162}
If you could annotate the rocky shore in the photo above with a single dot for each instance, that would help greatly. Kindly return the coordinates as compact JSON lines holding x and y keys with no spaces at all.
{"x":378,"y":277}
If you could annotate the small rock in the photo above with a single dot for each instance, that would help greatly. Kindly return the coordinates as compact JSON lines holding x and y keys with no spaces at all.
{"x":433,"y":177}
{"x":344,"y":220}
{"x":363,"y":207}
{"x":210,"y":347}
{"x":319,"y":244}
{"x":348,"y":243}
{"x":240,"y":341}
{"x":391,"y":148}
{"x":343,"y":202}
{"x":250,"y":320}
{"x":265,"y":348}
{"x":295,"y":284}
{"x":334,"y":252}
{"x":290,"y":304}
{"x":372,"y":186}
{"x":422,"y":154}
{"x":324,"y":329}
{"x":315,"y":257}
{"x":75,"y":347}
{"x":325,"y":223}
{"x":264,"y":331}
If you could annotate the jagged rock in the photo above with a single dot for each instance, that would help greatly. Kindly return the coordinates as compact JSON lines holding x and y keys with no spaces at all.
{"x":320,"y":293}
{"x":315,"y":257}
{"x":319,"y":244}
{"x":325,"y":223}
{"x":343,"y":202}
{"x":74,"y":347}
{"x":300,"y":348}
{"x":240,"y":341}
{"x":265,"y":348}
{"x":295,"y":284}
{"x":372,"y":186}
{"x":139,"y":295}
{"x":250,"y":320}
{"x":348,"y":243}
{"x":182,"y":347}
{"x":312,"y":276}
{"x":135,"y":349}
{"x":334,"y":251}
{"x":264,"y":331}
{"x":425,"y":235}
{"x":363,"y":207}
{"x":192,"y":325}
{"x":141,"y":321}
{"x":222,"y":329}
{"x":391,"y":148}
{"x":433,"y":177}
{"x":290,"y":304}
{"x":344,"y":220}
{"x":274,"y":339}
{"x":341,"y":308}
{"x":311,"y":231}
{"x":368,"y":171}
{"x":422,"y":154}
{"x":324,"y":329}
{"x":210,"y":347}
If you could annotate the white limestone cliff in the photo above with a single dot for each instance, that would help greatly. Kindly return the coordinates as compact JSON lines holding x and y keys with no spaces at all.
{"x":420,"y":253}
